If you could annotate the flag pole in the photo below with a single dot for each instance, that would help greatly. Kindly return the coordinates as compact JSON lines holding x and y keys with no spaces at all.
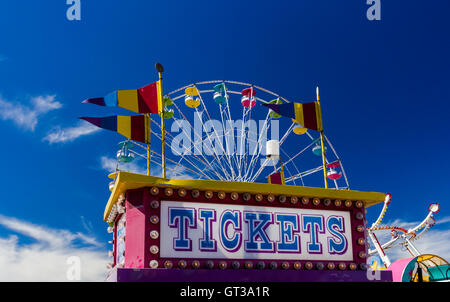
{"x":324,"y":161}
{"x":148,"y":121}
{"x":160,"y":70}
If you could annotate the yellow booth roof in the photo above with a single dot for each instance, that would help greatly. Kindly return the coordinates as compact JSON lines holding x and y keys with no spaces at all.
{"x":125,"y":181}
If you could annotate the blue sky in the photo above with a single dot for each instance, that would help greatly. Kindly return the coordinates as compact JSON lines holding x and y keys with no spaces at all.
{"x":384,"y":91}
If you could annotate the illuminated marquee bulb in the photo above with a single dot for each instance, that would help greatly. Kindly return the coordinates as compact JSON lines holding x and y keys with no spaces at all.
{"x":327,"y":202}
{"x":168,"y":264}
{"x":248,"y":265}
{"x":359,"y":204}
{"x":246,"y":196}
{"x":348,"y":203}
{"x":168,"y":191}
{"x":360,"y":228}
{"x":338,"y":202}
{"x":110,"y":229}
{"x":182,"y":192}
{"x":154,"y":234}
{"x":182,"y":264}
{"x":154,"y":219}
{"x":282,"y":198}
{"x":316,"y":201}
{"x":221,"y":195}
{"x":294,"y":199}
{"x":120,"y":209}
{"x":154,"y":191}
{"x":153,"y":264}
{"x":342,"y":266}
{"x":331,"y":266}
{"x":258,"y":197}
{"x":208,"y":194}
{"x":234,"y":195}
{"x":154,"y":249}
{"x":222,"y":265}
{"x":285,"y":265}
{"x":305,"y":200}
{"x":308,"y":265}
{"x":270,"y":198}
{"x":297,"y":265}
{"x":361,"y":241}
{"x":362,"y":254}
{"x":195,"y":264}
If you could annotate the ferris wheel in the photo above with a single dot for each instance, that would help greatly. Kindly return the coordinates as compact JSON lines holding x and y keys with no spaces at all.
{"x":218,"y":130}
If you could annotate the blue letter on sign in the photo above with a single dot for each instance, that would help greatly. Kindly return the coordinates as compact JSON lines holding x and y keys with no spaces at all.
{"x":289,"y":242}
{"x":182,"y":218}
{"x":207,"y":243}
{"x":314,"y":225}
{"x":233,"y":243}
{"x":258,"y":241}
{"x":337,"y":245}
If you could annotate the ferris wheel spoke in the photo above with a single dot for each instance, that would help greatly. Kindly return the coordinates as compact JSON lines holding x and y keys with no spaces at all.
{"x":263,"y":133}
{"x":229,"y":158}
{"x":337,"y":156}
{"x":169,"y":139}
{"x":210,"y":142}
{"x":194,"y":143}
{"x":215,"y":132}
{"x":305,"y":173}
{"x":227,"y":113}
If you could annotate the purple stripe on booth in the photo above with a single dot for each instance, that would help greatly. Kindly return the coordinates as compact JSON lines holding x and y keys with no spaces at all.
{"x":241,"y":275}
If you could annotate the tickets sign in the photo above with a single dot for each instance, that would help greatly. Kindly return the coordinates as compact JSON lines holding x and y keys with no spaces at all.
{"x":224,"y":231}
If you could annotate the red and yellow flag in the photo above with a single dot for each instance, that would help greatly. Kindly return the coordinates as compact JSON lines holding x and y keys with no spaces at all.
{"x":133,"y":127}
{"x":308,"y":115}
{"x":147,"y":99}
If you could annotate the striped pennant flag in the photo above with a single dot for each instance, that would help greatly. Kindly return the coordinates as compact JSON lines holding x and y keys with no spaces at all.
{"x":133,"y":127}
{"x":308,"y":115}
{"x":143,"y":100}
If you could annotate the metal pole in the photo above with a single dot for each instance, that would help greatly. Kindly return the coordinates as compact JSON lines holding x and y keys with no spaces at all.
{"x":148,"y":145}
{"x":324,"y":161}
{"x":160,"y":70}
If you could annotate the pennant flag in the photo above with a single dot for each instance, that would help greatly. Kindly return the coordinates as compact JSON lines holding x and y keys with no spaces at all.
{"x":308,"y":115}
{"x":276,"y":178}
{"x":133,"y":127}
{"x":143,"y":100}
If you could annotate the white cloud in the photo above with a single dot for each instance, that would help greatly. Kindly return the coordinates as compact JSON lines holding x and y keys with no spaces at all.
{"x":62,"y":135}
{"x":46,"y":259}
{"x":27,"y":117}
